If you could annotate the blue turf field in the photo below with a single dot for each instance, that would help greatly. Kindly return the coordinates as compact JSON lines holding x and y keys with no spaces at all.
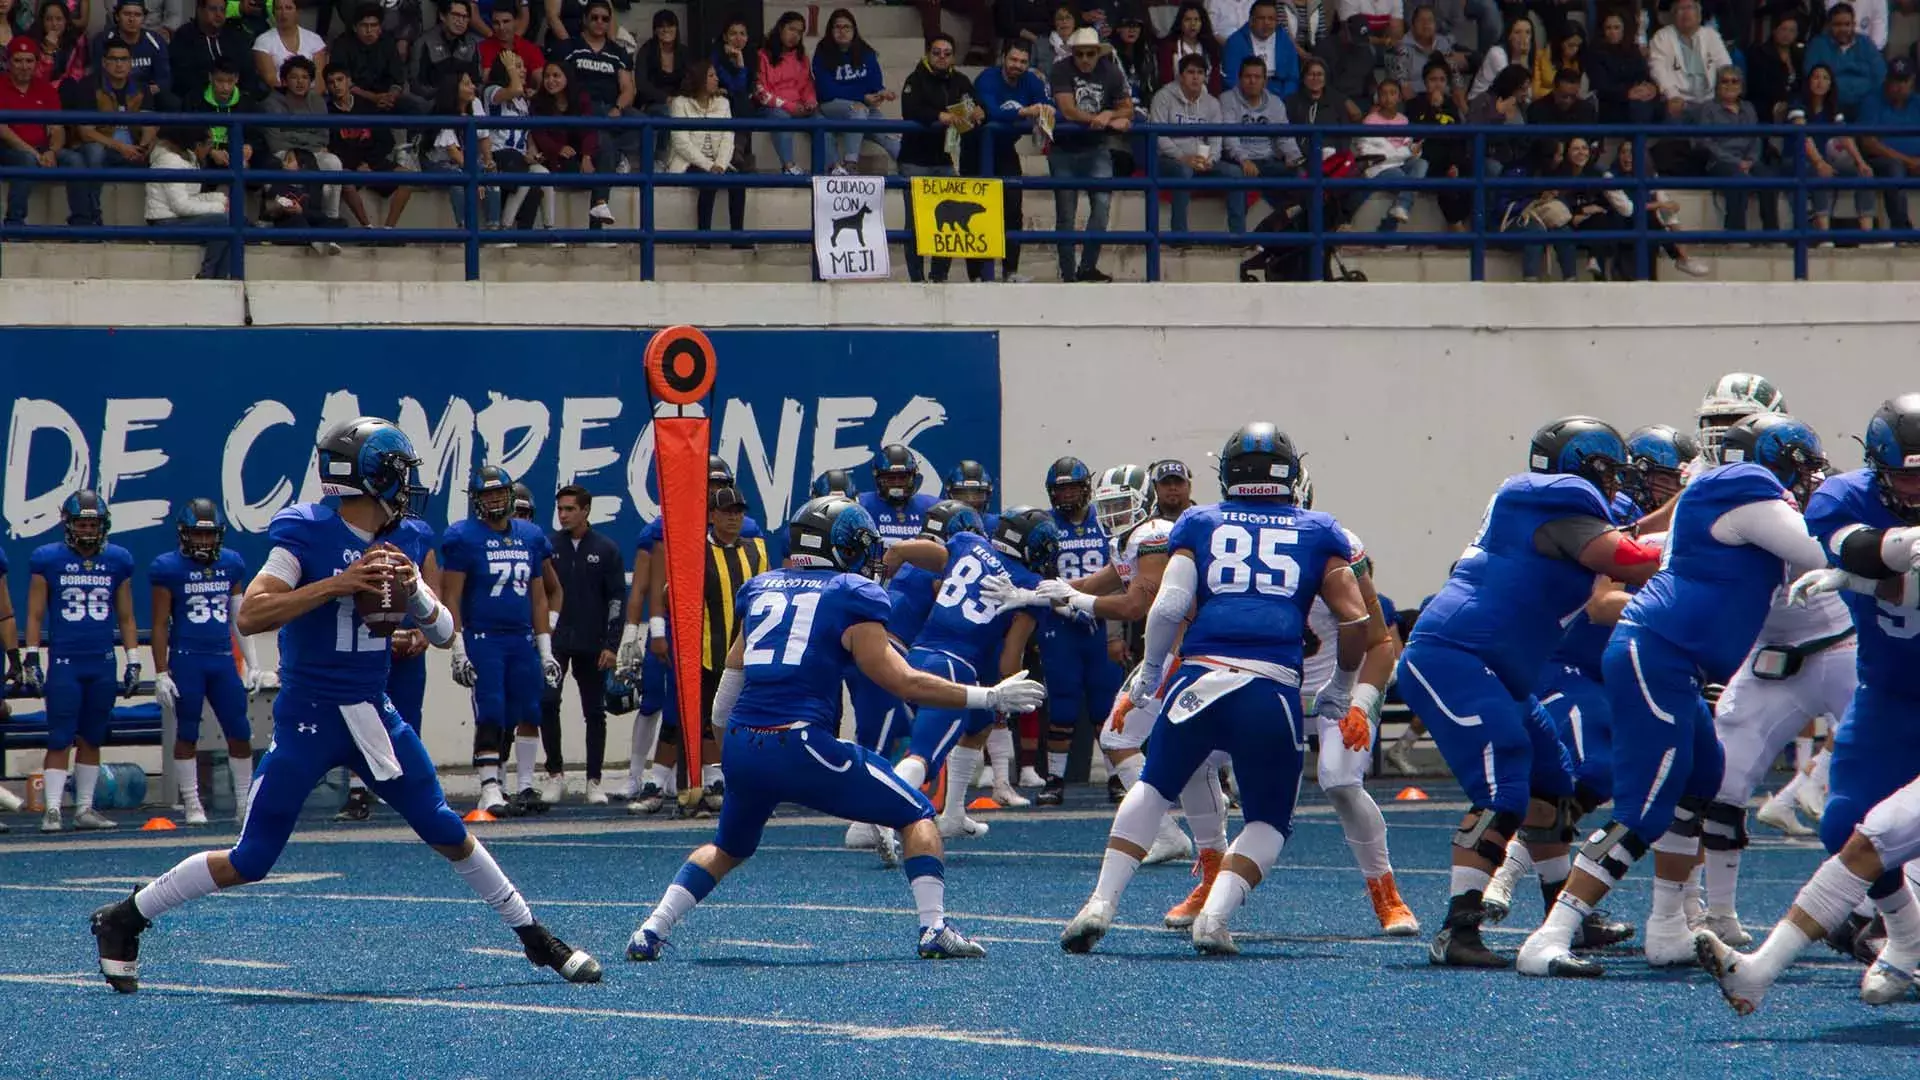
{"x":370,"y":959}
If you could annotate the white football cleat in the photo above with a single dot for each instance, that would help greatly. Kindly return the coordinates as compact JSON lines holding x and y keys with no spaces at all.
{"x":196,"y":814}
{"x":1668,"y":942}
{"x":1497,"y":901}
{"x":1884,"y":984}
{"x":1171,"y":845}
{"x":1742,"y":989}
{"x":1029,"y":778}
{"x":1211,"y":937}
{"x":491,"y":798}
{"x":1812,"y":794}
{"x":952,"y":829}
{"x":1780,"y":815}
{"x":93,"y":819}
{"x":1726,"y":926}
{"x":861,"y":836}
{"x":1541,"y":956}
{"x":1400,"y":760}
{"x":553,"y":790}
{"x":1087,"y":927}
{"x":595,"y":796}
{"x":50,"y":821}
{"x":886,"y":843}
{"x":1005,"y":795}
{"x":10,"y":802}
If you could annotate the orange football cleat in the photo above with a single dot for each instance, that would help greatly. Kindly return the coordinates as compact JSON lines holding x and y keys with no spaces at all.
{"x":1182,"y":914}
{"x":1396,"y":918}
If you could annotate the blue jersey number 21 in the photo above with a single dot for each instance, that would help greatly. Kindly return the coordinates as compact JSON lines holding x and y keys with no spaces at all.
{"x":766,"y":613}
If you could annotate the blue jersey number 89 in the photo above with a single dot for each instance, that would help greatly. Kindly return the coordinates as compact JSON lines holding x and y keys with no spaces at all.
{"x":1234,"y":556}
{"x":767,"y":612}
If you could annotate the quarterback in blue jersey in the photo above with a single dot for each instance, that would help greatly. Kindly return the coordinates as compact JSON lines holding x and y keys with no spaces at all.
{"x":196,"y":608}
{"x":1736,"y":533}
{"x":1246,"y":571}
{"x":780,"y":695}
{"x":1476,"y":653}
{"x":970,"y":631}
{"x":895,"y":503}
{"x":1868,"y":524}
{"x":327,"y":564}
{"x":407,"y":679}
{"x":1081,"y":675}
{"x":81,"y":590}
{"x":493,"y":575}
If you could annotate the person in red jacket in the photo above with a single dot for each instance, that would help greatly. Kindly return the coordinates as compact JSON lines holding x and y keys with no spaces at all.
{"x":784,"y":88}
{"x":23,"y":145}
{"x":565,"y":149}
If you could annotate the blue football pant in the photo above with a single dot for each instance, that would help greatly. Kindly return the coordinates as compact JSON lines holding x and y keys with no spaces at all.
{"x":1583,"y":719}
{"x":1503,"y":750}
{"x":1257,"y":724}
{"x":1876,"y":762}
{"x":1081,"y":679}
{"x":508,"y":679}
{"x":1664,"y":746}
{"x":879,"y":718}
{"x":203,"y":678}
{"x":407,"y":689}
{"x":309,"y":740}
{"x":937,"y":731}
{"x":806,"y":765}
{"x":80,"y":692}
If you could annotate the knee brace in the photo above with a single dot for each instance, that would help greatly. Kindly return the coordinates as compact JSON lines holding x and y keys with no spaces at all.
{"x":1689,"y":814}
{"x":1488,"y":835}
{"x":1612,"y":851}
{"x":1557,"y":831}
{"x":1724,"y":827}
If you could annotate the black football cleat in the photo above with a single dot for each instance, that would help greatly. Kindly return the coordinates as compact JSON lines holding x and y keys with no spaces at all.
{"x":1052,"y":793}
{"x":359,"y":806}
{"x":547,"y":951}
{"x":1598,"y":931}
{"x":1458,"y":944}
{"x":117,"y":928}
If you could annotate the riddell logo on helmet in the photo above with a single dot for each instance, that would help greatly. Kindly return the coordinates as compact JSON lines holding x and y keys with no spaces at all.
{"x":1910,"y":461}
{"x":1259,"y":489}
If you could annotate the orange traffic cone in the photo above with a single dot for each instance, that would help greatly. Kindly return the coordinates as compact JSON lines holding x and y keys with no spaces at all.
{"x":158,"y":824}
{"x":1411,"y":794}
{"x":983,"y":803}
{"x":478,"y":815}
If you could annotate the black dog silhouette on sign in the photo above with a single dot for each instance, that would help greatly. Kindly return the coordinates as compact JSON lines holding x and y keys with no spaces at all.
{"x":857,"y":221}
{"x":955,"y":214}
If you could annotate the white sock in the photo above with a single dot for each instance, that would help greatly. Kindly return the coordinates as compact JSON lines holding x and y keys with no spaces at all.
{"x":56,"y":783}
{"x":1693,"y":894}
{"x":187,"y":775}
{"x":962,"y":764}
{"x":912,"y":770}
{"x":1128,"y":770}
{"x":930,"y":900}
{"x":1723,"y":881}
{"x":489,"y":773}
{"x":1366,"y":828}
{"x":1057,"y":765}
{"x":646,"y":732}
{"x":241,"y":769}
{"x":1667,"y":897}
{"x":1407,"y":738}
{"x":1792,"y":788}
{"x":665,"y":779}
{"x":1902,"y":917}
{"x":84,"y":779}
{"x":1564,"y":920}
{"x":1553,"y":870}
{"x":1802,"y":754}
{"x":1205,"y":807}
{"x":710,"y":775}
{"x":525,"y":749}
{"x":1000,"y":756}
{"x":190,"y":879}
{"x":1466,"y":879}
{"x":484,"y":877}
{"x":673,"y":907}
{"x":1228,"y":893}
{"x":1779,"y":950}
{"x":1116,"y":870}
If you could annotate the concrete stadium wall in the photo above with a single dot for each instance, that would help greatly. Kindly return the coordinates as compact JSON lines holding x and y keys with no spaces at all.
{"x":1412,"y":401}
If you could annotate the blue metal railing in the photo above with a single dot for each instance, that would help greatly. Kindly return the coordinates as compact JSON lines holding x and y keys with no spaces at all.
{"x":1313,"y":188}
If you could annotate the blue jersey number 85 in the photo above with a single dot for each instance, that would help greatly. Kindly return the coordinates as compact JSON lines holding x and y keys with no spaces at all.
{"x":1239,"y":562}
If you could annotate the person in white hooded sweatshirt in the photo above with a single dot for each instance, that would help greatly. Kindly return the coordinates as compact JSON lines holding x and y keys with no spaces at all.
{"x":172,"y":204}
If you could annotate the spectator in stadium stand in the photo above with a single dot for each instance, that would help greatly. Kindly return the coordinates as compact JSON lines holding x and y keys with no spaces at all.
{"x":196,"y":47}
{"x":453,"y":45}
{"x":1564,"y":105}
{"x":1315,"y":104}
{"x":222,"y":95}
{"x":1088,"y":90}
{"x":1684,"y":57}
{"x":1029,"y":21}
{"x":1618,"y":76}
{"x":184,"y":205}
{"x":1227,"y":17}
{"x":1895,"y":156}
{"x":305,"y":148}
{"x":1407,"y":62}
{"x":1306,"y":22}
{"x":508,"y":37}
{"x":979,"y":16}
{"x":1014,"y":97}
{"x":706,"y":151}
{"x":1662,"y":216}
{"x":1870,"y":20}
{"x":254,"y":16}
{"x":1736,"y":155}
{"x":569,"y":149}
{"x":565,"y":21}
{"x":112,"y":90}
{"x":506,"y":94}
{"x":1350,"y":61}
{"x":1389,"y":156}
{"x":660,"y":65}
{"x":1505,"y":102}
{"x":783,"y":83}
{"x":1133,"y":51}
{"x":1515,"y":48}
{"x":1773,"y":70}
{"x":373,"y":64}
{"x":1436,"y":104}
{"x":1566,"y":53}
{"x":460,"y":96}
{"x":286,"y":39}
{"x":167,"y":15}
{"x":1384,"y":24}
{"x":1266,"y":154}
{"x":152,"y":70}
{"x":933,"y":96}
{"x":1263,"y":37}
{"x":601,"y":70}
{"x":1829,"y":153}
{"x":1193,"y":35}
{"x":23,"y":145}
{"x":1553,"y":14}
{"x":593,"y":580}
{"x":62,"y":44}
{"x":367,"y":150}
{"x":1858,"y":67}
{"x":847,"y":76}
{"x":1454,"y":15}
{"x":735,"y":67}
{"x":9,"y":11}
{"x":520,"y":11}
{"x":1184,"y":102}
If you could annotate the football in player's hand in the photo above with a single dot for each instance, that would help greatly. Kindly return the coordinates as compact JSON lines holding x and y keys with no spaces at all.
{"x":384,"y":609}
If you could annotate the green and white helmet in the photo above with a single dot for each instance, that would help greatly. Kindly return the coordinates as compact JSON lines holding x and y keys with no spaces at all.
{"x":1731,"y":397}
{"x":1122,"y":498}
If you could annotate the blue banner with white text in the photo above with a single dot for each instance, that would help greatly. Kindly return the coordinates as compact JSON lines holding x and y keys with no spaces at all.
{"x":153,"y":418}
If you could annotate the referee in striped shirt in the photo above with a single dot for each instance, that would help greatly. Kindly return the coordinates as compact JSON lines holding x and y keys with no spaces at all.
{"x":732,"y":561}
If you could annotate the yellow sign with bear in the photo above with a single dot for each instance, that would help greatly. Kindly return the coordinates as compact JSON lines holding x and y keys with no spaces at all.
{"x":959,"y":218}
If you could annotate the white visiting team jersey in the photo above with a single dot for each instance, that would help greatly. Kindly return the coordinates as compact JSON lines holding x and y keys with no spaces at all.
{"x":1317,"y":667}
{"x":1147,"y":538}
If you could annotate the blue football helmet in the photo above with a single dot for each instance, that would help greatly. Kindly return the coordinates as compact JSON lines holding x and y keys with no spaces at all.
{"x":1031,"y":536}
{"x":833,"y":532}
{"x":491,"y":492}
{"x":85,"y":520}
{"x":1656,"y":454}
{"x":1069,"y":485}
{"x":896,"y":473}
{"x":620,"y":697}
{"x":970,"y":482}
{"x":201,"y":530}
{"x":950,"y":517}
{"x":1893,"y":453}
{"x":835,"y":482}
{"x":522,"y":501}
{"x":369,"y":457}
{"x":1580,"y":446}
{"x":1784,"y":446}
{"x":1259,"y":461}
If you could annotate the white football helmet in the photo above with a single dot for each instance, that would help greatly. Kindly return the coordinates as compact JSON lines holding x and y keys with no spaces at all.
{"x":1122,"y":498}
{"x":1733,"y":396}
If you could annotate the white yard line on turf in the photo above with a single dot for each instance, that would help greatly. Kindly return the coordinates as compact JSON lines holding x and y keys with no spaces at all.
{"x":257,"y":965}
{"x":510,"y":954}
{"x":796,"y":946}
{"x":806,"y":1028}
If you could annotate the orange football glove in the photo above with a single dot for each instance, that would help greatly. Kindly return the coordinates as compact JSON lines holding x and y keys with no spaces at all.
{"x":1120,"y":710}
{"x":1356,"y":731}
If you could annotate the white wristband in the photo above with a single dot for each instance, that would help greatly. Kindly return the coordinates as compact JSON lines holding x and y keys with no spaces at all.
{"x":421,"y":604}
{"x":1366,"y":698}
{"x":553,"y":620}
{"x":657,"y":626}
{"x":544,"y":643}
{"x":979,"y":697}
{"x":1082,"y":602}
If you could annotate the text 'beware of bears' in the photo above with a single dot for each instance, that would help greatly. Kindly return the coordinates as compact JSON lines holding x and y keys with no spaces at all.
{"x":959,"y":218}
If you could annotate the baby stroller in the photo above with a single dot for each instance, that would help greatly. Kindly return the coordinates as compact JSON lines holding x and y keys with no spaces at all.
{"x":1291,"y":262}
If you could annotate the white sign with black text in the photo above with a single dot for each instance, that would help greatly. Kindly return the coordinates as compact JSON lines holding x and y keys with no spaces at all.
{"x":850,"y":227}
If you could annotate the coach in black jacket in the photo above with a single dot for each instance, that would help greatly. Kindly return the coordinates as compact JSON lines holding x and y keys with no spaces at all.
{"x":593,"y":580}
